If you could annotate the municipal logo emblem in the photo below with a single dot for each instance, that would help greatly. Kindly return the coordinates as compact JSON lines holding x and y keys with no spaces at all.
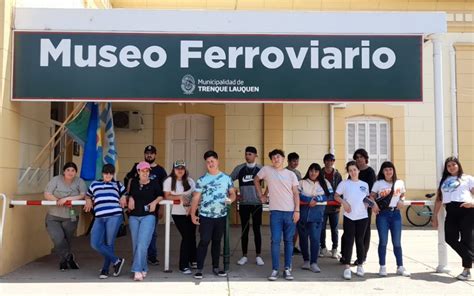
{"x":188,"y":85}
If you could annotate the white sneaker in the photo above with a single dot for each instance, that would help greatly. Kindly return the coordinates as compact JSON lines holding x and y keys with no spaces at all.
{"x":287,"y":275}
{"x":334,"y":254}
{"x":360,"y":270}
{"x":273,"y":276}
{"x":323,"y":252}
{"x":305,"y":265}
{"x":402,"y":271}
{"x":347,"y":274}
{"x":259,"y":261}
{"x":315,"y":268}
{"x":383,"y":270}
{"x":464,"y":276}
{"x":242,"y":260}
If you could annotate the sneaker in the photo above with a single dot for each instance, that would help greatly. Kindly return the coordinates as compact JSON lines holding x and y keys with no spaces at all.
{"x":305,"y":265}
{"x":198,"y":275}
{"x":383,"y":270}
{"x":347,"y":274}
{"x":63,"y":265}
{"x":138,"y":276}
{"x":153,"y":261}
{"x":323,"y":252}
{"x":360,"y":270}
{"x":334,"y":253}
{"x":186,"y":271}
{"x":296,"y":250}
{"x":242,"y":260}
{"x":218,"y":272}
{"x":464,"y":276}
{"x":287,"y":275}
{"x":259,"y":261}
{"x":315,"y":268}
{"x":103,"y":274}
{"x":70,"y":261}
{"x":118,"y":267}
{"x":273,"y":276}
{"x":402,"y":271}
{"x":194,"y":265}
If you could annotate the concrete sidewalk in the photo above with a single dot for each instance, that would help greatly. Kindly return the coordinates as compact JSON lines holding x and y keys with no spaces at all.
{"x":42,"y":277}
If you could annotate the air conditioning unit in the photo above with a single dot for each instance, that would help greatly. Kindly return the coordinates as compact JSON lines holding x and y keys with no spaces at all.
{"x":128,"y":120}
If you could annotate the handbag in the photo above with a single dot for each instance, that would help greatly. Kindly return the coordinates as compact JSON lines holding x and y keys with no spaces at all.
{"x":122,"y":231}
{"x":384,"y":202}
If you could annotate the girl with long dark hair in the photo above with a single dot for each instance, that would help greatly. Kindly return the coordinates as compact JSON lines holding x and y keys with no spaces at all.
{"x":455,"y":192}
{"x":179,"y":188}
{"x":312,"y":189}
{"x":388,"y":194}
{"x":355,"y":217}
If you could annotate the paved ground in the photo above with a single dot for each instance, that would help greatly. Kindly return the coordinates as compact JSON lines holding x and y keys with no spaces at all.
{"x":420,"y":257}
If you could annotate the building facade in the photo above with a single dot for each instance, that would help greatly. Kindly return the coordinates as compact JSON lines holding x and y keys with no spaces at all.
{"x":401,"y":132}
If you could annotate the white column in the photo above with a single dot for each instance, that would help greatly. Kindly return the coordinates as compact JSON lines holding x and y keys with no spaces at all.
{"x":454,"y":106}
{"x":439,"y":127}
{"x":168,"y":204}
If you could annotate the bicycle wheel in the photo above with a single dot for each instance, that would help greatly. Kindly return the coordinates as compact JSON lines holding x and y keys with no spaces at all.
{"x":418,"y":216}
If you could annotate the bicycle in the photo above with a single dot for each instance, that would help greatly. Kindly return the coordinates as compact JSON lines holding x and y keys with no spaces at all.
{"x":419,"y":215}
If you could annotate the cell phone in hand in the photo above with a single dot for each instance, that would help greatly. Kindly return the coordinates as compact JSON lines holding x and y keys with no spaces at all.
{"x":369,"y":202}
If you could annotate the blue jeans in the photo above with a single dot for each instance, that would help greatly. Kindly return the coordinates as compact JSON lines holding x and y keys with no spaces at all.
{"x":333,"y":221}
{"x":310,"y":228}
{"x":152,"y":249}
{"x":103,"y":235}
{"x":141,"y":229}
{"x":281,"y":222}
{"x":385,"y":221}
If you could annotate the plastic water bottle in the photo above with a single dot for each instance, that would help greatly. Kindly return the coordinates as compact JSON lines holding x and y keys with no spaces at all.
{"x":72,"y":214}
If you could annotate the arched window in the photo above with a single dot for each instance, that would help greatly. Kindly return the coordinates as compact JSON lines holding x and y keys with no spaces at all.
{"x":372,"y":134}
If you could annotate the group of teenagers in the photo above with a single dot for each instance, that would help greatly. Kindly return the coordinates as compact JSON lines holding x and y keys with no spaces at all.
{"x":297,"y":208}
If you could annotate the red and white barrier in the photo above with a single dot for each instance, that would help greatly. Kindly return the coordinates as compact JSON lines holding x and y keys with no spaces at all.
{"x":45,"y":203}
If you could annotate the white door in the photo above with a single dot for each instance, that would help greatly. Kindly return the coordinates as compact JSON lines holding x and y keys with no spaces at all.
{"x":188,"y":137}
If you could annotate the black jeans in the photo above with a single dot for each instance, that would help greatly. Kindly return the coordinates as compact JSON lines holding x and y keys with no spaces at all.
{"x":187,"y":250}
{"x":245,"y":212}
{"x":460,"y":223}
{"x":354,"y":230}
{"x":333,"y":221}
{"x":210,"y":229}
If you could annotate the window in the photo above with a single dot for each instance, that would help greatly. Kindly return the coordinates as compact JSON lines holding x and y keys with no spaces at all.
{"x":372,"y":134}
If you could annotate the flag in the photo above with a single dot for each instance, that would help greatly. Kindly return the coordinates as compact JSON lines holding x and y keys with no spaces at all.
{"x":77,"y":127}
{"x":91,"y":168}
{"x":110,"y":150}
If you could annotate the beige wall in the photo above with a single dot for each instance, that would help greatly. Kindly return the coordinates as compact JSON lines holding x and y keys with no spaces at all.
{"x":306,"y":132}
{"x":244,"y":128}
{"x":465,"y":84}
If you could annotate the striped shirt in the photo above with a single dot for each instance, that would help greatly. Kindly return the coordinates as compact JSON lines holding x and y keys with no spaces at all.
{"x":106,"y":197}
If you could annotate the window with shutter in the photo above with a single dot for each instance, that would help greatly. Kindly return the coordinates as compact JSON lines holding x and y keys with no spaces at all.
{"x":372,"y":134}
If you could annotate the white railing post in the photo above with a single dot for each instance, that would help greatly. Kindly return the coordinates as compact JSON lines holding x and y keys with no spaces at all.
{"x":4,"y":207}
{"x":439,"y":141}
{"x":168,"y":204}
